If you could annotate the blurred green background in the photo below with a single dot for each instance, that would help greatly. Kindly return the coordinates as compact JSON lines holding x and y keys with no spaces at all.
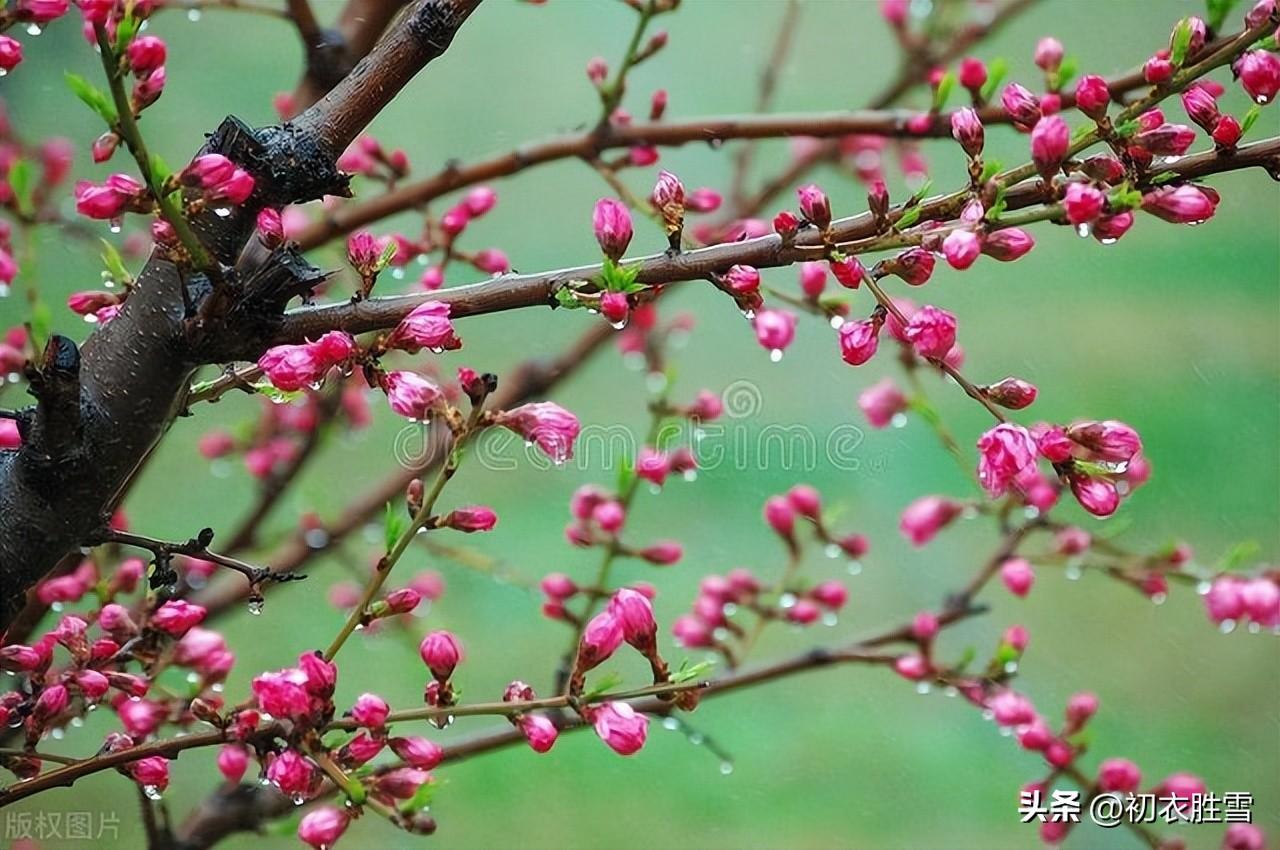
{"x":1173,"y":330}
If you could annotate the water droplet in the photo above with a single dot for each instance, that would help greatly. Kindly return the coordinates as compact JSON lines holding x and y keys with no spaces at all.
{"x":950,"y":691}
{"x":1203,"y":587}
{"x":1254,"y":628}
{"x":726,"y":768}
{"x":33,"y":29}
{"x":1083,"y":230}
{"x":298,"y":799}
{"x":316,"y":538}
{"x":696,"y":738}
{"x":3,"y":72}
{"x":923,"y":688}
{"x":1159,"y":598}
{"x":729,"y":609}
{"x":1072,"y":572}
{"x":193,"y":15}
{"x":830,"y":619}
{"x":775,"y":356}
{"x":617,"y":326}
{"x":222,"y":212}
{"x":898,"y":420}
{"x":77,"y":722}
{"x":748,"y":314}
{"x":1005,"y":731}
{"x":690,"y":475}
{"x":398,"y":273}
{"x":670,"y":723}
{"x":1011,"y":667}
{"x":1261,"y":99}
{"x":152,"y":792}
{"x":114,"y":227}
{"x":854,"y":568}
{"x":1031,"y":512}
{"x":57,"y":734}
{"x":1108,"y":240}
{"x":837,"y":322}
{"x":656,"y":382}
{"x":831,"y":550}
{"x":634,"y":361}
{"x":256,"y":605}
{"x":787,"y":600}
{"x":1227,"y":626}
{"x":56,"y":607}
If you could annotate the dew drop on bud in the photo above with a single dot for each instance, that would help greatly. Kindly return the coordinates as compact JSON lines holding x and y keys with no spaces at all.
{"x":1083,"y":230}
{"x":152,"y":792}
{"x":1072,"y":572}
{"x":34,"y":29}
{"x":775,"y":356}
{"x":831,"y":550}
{"x":193,"y":15}
{"x":256,"y":605}
{"x":854,"y":568}
{"x":670,"y":724}
{"x":923,"y":688}
{"x":837,"y":322}
{"x":617,"y":326}
{"x":726,"y":768}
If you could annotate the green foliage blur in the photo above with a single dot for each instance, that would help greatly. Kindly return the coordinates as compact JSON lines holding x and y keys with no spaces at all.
{"x":1173,"y":330}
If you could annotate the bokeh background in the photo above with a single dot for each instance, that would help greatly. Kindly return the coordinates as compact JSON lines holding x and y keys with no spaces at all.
{"x":1173,"y":330}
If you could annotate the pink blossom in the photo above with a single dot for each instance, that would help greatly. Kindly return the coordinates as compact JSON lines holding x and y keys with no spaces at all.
{"x":664,"y":553}
{"x":1083,"y":203}
{"x":176,"y":616}
{"x":966,"y":128}
{"x":440,"y":652}
{"x":615,"y":307}
{"x":140,"y":717}
{"x":426,"y":326}
{"x":1011,"y":708}
{"x":323,"y":826}
{"x":545,"y":423}
{"x":1021,"y":105}
{"x":539,"y":731}
{"x":1092,"y":96}
{"x":634,"y":613}
{"x":1224,"y":602}
{"x":926,"y":516}
{"x":411,"y":395}
{"x":1259,"y":73}
{"x":480,"y":200}
{"x":282,"y":693}
{"x":848,"y":271}
{"x":781,"y":516}
{"x":600,"y":639}
{"x":1184,"y":204}
{"x":924,"y":626}
{"x":291,"y":773}
{"x":932,"y":332}
{"x":775,"y":329}
{"x":961,"y":248}
{"x":1109,"y":439}
{"x":233,"y":760}
{"x":146,"y":53}
{"x":1017,"y":575}
{"x":620,"y":726}
{"x":472,"y":518}
{"x":1006,"y":450}
{"x":610,"y":516}
{"x":668,"y":191}
{"x":1110,"y":228}
{"x":152,"y":772}
{"x":972,"y":73}
{"x":859,"y":341}
{"x":830,"y":594}
{"x":1048,"y":54}
{"x":558,"y":586}
{"x":912,"y":667}
{"x":1096,"y":495}
{"x":111,"y":199}
{"x":1227,"y":131}
{"x":10,"y":53}
{"x":881,"y":402}
{"x":814,"y":205}
{"x":914,"y":265}
{"x":703,"y":200}
{"x":742,"y":280}
{"x":1261,"y":600}
{"x":692,"y":632}
{"x":611,"y":222}
{"x":652,"y":466}
{"x":418,"y":752}
{"x":1013,"y":393}
{"x":1050,"y":139}
{"x":370,"y":710}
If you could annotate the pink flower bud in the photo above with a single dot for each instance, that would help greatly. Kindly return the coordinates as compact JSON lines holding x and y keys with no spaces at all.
{"x":472,"y":518}
{"x":1013,"y":393}
{"x":881,"y":402}
{"x":546,"y":424}
{"x":1227,"y":132}
{"x":692,"y":632}
{"x":830,"y":594}
{"x":1083,"y":203}
{"x":480,"y":200}
{"x":1158,"y":69}
{"x":1050,"y":139}
{"x":441,"y":653}
{"x":973,"y":73}
{"x":848,"y":271}
{"x":815,"y":206}
{"x":233,"y":760}
{"x":1021,"y":105}
{"x":411,"y":395}
{"x":961,"y":248}
{"x":1184,"y":204}
{"x":370,"y":710}
{"x":1048,"y":55}
{"x":775,"y":329}
{"x":610,"y":516}
{"x":323,"y":826}
{"x":895,"y":12}
{"x":668,"y":191}
{"x":1098,"y":496}
{"x":597,"y":70}
{"x":612,"y":224}
{"x":1010,"y":708}
{"x":42,"y":11}
{"x":1080,"y":708}
{"x":620,"y":726}
{"x":859,"y":341}
{"x":932,"y":332}
{"x":664,"y":553}
{"x":805,"y":500}
{"x":785,"y":224}
{"x":1109,"y":440}
{"x":51,"y":702}
{"x":781,"y":516}
{"x":10,"y":53}
{"x":146,"y":53}
{"x":914,"y":265}
{"x":1006,"y":450}
{"x":109,"y":200}
{"x":658,"y":104}
{"x":1261,"y":600}
{"x":1244,"y":836}
{"x":176,"y":616}
{"x":454,"y":221}
{"x":925,"y":626}
{"x":1119,"y":775}
{"x":633,"y":611}
{"x":703,"y":200}
{"x":652,"y":466}
{"x":539,"y":731}
{"x":966,"y":128}
{"x":1008,"y":244}
{"x":1110,"y":228}
{"x":707,"y":406}
{"x":600,"y":639}
{"x":150,"y":772}
{"x":1201,"y":107}
{"x":803,"y":613}
{"x":1017,"y":638}
{"x":912,"y":667}
{"x":742,"y":280}
{"x":418,"y":752}
{"x":115,"y":619}
{"x":1165,"y":140}
{"x":1092,"y":96}
{"x":558,"y":586}
{"x":1017,"y":575}
{"x":615,"y":307}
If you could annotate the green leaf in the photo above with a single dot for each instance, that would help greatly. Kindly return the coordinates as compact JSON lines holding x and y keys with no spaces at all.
{"x":393,"y":526}
{"x":626,"y":473}
{"x":1066,"y":71}
{"x":41,"y":323}
{"x":692,"y":672}
{"x":278,"y":396}
{"x":1250,"y":118}
{"x":91,"y":96}
{"x":943,"y":91}
{"x":1218,"y":11}
{"x":1181,"y":42}
{"x":387,"y":255}
{"x":1078,"y":134}
{"x":908,"y":218}
{"x":567,"y":298}
{"x":126,"y":30}
{"x":607,"y":682}
{"x":990,"y":169}
{"x":996,"y":72}
{"x":1239,"y":554}
{"x":23,"y":187}
{"x":1124,"y":198}
{"x":616,"y":278}
{"x":336,"y":738}
{"x":1164,"y":177}
{"x":918,"y":195}
{"x":420,"y":799}
{"x":1128,"y":128}
{"x":1000,"y":205}
{"x":115,"y":263}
